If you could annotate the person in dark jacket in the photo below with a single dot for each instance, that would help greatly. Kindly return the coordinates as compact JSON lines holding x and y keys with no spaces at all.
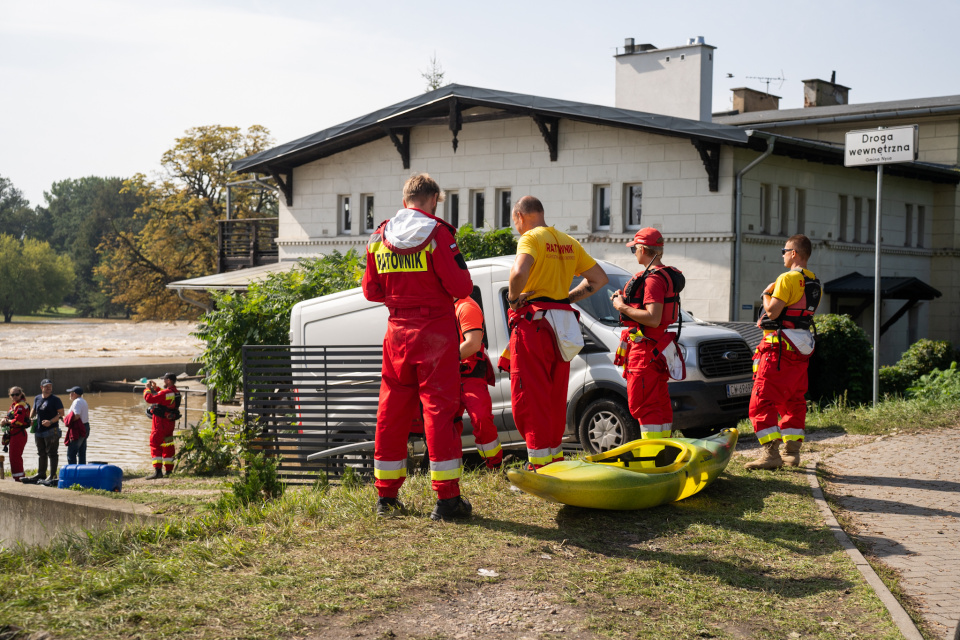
{"x":47,"y":413}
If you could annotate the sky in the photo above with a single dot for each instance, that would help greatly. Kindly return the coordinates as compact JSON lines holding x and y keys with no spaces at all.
{"x":104,"y":87}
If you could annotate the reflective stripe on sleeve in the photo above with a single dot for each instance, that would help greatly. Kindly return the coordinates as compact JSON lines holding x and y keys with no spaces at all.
{"x":446,"y":469}
{"x":390,"y":469}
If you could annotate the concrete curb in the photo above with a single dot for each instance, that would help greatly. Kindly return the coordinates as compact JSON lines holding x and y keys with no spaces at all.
{"x":900,"y":616}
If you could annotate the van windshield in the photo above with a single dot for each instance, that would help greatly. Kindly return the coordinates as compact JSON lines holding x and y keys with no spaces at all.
{"x":599,"y":306}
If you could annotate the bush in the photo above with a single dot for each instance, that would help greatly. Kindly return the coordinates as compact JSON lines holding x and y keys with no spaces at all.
{"x":842,"y":363}
{"x":921,"y":358}
{"x":475,"y":244}
{"x":212,"y":448}
{"x":259,"y":480}
{"x":941,"y":385}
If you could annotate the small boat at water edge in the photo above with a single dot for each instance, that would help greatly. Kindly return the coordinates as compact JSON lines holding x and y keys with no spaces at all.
{"x":638,"y":475}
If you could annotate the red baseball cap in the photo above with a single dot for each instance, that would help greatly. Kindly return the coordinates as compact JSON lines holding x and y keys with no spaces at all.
{"x":648,"y":237}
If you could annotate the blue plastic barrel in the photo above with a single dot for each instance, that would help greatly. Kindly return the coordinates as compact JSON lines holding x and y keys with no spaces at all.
{"x":108,"y":477}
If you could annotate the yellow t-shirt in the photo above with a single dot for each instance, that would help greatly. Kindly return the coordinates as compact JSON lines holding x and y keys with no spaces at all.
{"x":557,"y":259}
{"x":789,"y":288}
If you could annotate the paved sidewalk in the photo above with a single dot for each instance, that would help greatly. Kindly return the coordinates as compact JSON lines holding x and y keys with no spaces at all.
{"x":903,"y":495}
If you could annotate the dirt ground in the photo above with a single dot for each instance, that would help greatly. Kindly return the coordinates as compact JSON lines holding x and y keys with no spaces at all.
{"x":94,"y":341}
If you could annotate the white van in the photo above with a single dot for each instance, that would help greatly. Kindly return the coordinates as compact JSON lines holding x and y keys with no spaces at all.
{"x":714,"y":395}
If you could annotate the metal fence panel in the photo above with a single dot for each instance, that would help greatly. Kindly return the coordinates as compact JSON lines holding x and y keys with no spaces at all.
{"x":305,"y":399}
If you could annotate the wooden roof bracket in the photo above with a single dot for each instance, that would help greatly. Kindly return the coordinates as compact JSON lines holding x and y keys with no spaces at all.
{"x":286,"y":185}
{"x":401,"y":140}
{"x":456,"y":121}
{"x":710,"y":155}
{"x":550,"y":130}
{"x":899,"y":314}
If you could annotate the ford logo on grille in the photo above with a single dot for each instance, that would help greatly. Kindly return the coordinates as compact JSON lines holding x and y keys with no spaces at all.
{"x":730,"y":355}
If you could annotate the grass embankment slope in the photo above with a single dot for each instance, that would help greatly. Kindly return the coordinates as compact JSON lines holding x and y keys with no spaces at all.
{"x":748,"y":557}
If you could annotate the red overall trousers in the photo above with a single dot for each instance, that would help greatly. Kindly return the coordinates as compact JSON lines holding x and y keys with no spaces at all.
{"x":779,"y":382}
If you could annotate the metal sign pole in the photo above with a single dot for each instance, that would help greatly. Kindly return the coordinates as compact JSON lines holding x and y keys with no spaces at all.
{"x":876,"y":290}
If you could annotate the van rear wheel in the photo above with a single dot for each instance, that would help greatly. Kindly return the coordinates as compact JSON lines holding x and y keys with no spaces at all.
{"x":606,"y":424}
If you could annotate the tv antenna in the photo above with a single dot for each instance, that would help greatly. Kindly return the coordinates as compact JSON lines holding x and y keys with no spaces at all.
{"x":768,"y":80}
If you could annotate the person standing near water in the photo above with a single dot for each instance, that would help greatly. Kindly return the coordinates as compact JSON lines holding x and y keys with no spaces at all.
{"x":47,"y":411}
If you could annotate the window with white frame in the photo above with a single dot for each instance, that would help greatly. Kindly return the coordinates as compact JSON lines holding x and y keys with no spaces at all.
{"x":503,"y":208}
{"x":344,"y":216}
{"x":601,"y":207}
{"x":477,"y":204}
{"x":453,"y":208}
{"x":369,"y":223}
{"x":632,"y":206}
{"x":801,"y":211}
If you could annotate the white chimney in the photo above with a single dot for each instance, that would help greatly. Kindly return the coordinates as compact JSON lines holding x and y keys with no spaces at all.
{"x":677,"y":81}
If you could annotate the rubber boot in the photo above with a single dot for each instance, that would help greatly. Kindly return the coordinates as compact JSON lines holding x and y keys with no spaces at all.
{"x":791,"y":454}
{"x":769,"y":457}
{"x":156,"y":475}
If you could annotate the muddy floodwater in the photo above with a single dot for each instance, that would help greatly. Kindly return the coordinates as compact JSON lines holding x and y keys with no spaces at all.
{"x":120,"y":429}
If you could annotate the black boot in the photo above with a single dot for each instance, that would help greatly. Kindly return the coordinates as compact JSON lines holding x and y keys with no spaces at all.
{"x":156,"y":475}
{"x":34,"y":479}
{"x":387,"y":507}
{"x":451,"y":509}
{"x":52,"y":481}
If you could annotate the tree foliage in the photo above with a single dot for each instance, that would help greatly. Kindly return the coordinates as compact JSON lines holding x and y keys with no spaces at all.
{"x":32,"y":276}
{"x":175,"y":232}
{"x":433,"y":75}
{"x":261,"y":315}
{"x":17,"y":218}
{"x":80,"y":213}
{"x":842,"y":364}
{"x":475,"y":244}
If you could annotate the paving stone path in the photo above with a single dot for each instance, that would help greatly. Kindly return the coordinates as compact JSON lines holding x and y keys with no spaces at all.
{"x":903,"y":496}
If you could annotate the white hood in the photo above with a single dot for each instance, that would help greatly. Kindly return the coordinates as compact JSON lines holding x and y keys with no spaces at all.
{"x":408,"y":229}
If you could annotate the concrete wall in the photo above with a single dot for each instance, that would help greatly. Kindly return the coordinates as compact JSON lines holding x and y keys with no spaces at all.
{"x":34,"y":515}
{"x":66,"y":377}
{"x":676,"y":81}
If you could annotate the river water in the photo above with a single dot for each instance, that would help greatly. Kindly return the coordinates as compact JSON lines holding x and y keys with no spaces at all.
{"x":119,"y":429}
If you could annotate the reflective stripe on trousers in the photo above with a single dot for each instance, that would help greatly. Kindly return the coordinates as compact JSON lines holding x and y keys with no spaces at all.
{"x":490,"y":449}
{"x":446,"y":469}
{"x":390,"y":469}
{"x":648,"y":431}
{"x":769,"y":434}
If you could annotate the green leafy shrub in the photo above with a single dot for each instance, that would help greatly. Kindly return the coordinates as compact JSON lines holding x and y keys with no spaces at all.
{"x":842,"y":363}
{"x":921,"y":358}
{"x":475,"y":244}
{"x":258,"y":483}
{"x":262,"y":314}
{"x":211,"y":447}
{"x":941,"y":385}
{"x":894,"y":381}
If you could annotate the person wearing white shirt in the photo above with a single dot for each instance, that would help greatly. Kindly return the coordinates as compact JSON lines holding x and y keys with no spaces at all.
{"x":77,"y":449}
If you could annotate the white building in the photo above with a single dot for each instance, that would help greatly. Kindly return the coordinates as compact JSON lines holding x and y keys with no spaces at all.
{"x":602,"y":172}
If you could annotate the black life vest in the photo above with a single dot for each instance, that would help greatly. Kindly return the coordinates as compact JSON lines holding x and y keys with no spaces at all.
{"x":633,"y":294}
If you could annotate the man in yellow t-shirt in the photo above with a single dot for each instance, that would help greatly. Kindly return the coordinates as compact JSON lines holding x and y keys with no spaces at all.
{"x":539,"y":297}
{"x":778,"y":409}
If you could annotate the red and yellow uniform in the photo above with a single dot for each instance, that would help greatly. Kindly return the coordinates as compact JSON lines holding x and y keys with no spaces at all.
{"x":644,"y":368}
{"x":538,"y":373}
{"x":476,"y":373}
{"x":416,"y":270}
{"x":19,"y":416}
{"x":161,"y":434}
{"x":778,"y":409}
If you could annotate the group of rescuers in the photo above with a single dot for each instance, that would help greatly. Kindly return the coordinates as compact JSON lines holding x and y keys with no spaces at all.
{"x":435,"y":366}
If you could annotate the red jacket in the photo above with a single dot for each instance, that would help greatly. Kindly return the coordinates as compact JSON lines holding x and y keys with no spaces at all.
{"x":164,"y":398}
{"x":413,"y":261}
{"x":19,"y":417}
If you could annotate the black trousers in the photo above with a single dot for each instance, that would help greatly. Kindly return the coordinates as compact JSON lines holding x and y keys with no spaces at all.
{"x":47,"y":449}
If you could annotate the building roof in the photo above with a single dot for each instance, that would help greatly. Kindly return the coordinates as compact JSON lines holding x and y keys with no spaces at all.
{"x":841,"y":113}
{"x":434,"y":107}
{"x":233,"y":280}
{"x":857,"y":285}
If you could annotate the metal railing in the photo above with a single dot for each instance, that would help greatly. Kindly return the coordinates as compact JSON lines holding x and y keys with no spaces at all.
{"x":249,"y":242}
{"x":305,"y":399}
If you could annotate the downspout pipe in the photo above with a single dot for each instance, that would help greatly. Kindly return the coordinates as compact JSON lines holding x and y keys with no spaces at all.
{"x":738,"y":217}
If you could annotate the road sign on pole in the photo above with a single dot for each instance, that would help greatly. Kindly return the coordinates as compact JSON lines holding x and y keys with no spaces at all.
{"x":879,"y":147}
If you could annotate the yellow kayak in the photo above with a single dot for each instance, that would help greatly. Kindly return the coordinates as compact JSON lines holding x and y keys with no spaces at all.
{"x":638,"y":475}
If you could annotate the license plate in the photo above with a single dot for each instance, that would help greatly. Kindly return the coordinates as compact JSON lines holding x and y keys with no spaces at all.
{"x":739,"y":389}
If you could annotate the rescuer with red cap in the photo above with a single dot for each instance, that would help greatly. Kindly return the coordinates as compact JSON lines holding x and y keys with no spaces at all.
{"x":164,"y":411}
{"x":648,"y":304}
{"x":476,"y":373}
{"x":415,"y":268}
{"x":544,"y":329}
{"x":780,"y":362}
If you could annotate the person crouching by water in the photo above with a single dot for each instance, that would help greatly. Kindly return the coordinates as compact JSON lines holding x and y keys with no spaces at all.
{"x":47,"y":411}
{"x":15,"y":425}
{"x":78,"y":427}
{"x":164,"y":411}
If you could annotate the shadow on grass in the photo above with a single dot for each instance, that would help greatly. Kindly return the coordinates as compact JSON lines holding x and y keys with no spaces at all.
{"x":728,"y":504}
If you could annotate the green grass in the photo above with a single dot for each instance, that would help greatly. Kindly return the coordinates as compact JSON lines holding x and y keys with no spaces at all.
{"x":59,"y":313}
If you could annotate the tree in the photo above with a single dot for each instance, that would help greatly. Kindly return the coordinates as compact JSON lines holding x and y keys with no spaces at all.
{"x":175,"y":235}
{"x":261,"y":315}
{"x":434,"y":75}
{"x":475,"y":244}
{"x":16,"y":216}
{"x":81,"y":212}
{"x":32,"y":276}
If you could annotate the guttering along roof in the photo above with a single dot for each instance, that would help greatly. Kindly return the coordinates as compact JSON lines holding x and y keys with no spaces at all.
{"x":437,"y":103}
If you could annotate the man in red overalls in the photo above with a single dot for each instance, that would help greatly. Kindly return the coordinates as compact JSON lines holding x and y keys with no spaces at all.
{"x":648,"y":305}
{"x":541,"y":319}
{"x":780,"y":362}
{"x":416,"y":270}
{"x":476,"y":373}
{"x":164,"y":407}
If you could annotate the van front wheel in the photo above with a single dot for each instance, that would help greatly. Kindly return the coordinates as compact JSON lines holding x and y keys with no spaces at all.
{"x":606,"y":424}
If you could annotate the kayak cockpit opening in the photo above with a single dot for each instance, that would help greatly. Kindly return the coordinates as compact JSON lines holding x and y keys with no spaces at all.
{"x":647,"y":456}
